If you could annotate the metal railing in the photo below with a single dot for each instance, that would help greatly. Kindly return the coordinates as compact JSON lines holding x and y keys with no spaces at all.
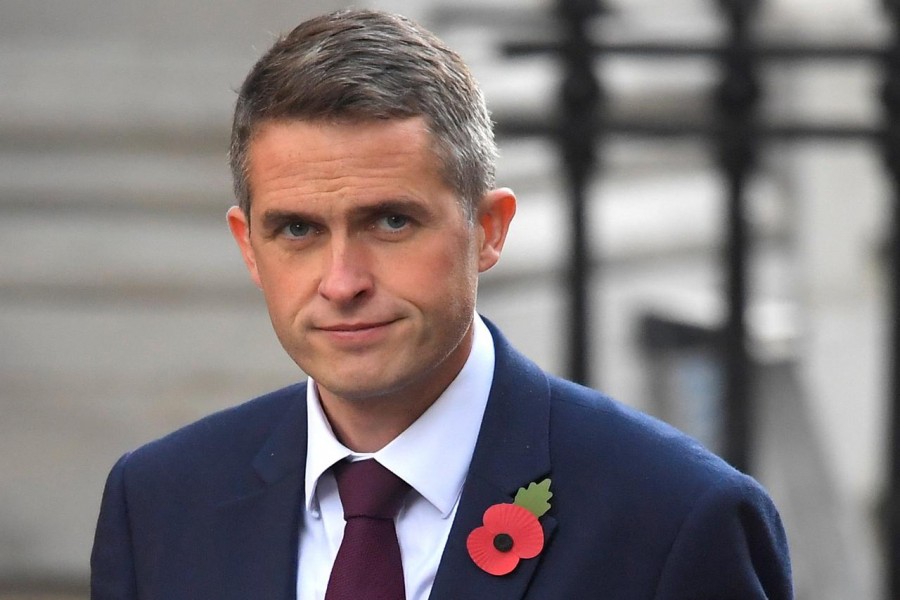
{"x":737,"y":133}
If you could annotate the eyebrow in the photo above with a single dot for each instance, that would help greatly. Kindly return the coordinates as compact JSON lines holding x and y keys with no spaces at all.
{"x":275,"y":219}
{"x":406,"y":206}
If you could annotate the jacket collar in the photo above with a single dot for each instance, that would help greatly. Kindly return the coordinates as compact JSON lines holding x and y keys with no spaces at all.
{"x":512,"y":451}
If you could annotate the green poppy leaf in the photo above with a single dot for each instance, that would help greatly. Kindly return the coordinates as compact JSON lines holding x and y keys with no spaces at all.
{"x":535,"y":498}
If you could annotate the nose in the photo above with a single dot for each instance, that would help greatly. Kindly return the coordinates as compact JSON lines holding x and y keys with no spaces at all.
{"x":346,"y":275}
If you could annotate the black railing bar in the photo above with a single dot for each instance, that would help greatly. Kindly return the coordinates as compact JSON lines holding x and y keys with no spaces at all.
{"x":760,"y":50}
{"x":512,"y":127}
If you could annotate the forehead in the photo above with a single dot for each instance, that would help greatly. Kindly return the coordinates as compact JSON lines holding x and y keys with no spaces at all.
{"x":329,"y":157}
{"x":323,"y":140}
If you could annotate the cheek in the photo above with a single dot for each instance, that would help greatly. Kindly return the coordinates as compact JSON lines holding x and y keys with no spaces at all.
{"x":445,"y":276}
{"x":284,"y":287}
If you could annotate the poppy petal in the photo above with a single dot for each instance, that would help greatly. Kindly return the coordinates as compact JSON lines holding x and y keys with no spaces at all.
{"x":521,"y":524}
{"x":480,"y":544}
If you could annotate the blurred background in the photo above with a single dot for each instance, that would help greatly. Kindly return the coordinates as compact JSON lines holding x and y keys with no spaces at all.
{"x":125,"y":310}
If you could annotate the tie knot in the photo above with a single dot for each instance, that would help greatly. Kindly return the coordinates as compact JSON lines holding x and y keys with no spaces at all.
{"x":368,"y":489}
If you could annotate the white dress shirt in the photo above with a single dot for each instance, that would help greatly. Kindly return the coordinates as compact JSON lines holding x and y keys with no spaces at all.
{"x":432,"y":456}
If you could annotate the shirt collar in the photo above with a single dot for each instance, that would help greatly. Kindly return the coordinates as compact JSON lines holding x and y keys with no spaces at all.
{"x":452,"y":422}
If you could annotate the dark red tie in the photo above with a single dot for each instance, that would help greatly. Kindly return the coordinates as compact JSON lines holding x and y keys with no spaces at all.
{"x":368,"y":564}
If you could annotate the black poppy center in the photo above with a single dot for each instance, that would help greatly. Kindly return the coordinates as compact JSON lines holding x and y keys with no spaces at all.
{"x":503,"y":542}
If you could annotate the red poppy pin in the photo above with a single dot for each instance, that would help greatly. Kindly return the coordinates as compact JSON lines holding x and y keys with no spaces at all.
{"x":511,"y":532}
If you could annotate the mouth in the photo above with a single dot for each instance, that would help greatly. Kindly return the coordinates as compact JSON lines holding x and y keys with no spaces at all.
{"x":356,"y":335}
{"x":354,"y":327}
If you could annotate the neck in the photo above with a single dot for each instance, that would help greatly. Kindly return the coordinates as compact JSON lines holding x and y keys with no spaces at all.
{"x":371,"y":424}
{"x":368,"y":424}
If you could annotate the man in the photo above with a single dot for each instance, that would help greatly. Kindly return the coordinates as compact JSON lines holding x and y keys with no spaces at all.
{"x":363,"y":162}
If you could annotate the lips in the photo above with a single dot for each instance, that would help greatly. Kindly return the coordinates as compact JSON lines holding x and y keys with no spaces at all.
{"x":356,"y":335}
{"x":353,"y":327}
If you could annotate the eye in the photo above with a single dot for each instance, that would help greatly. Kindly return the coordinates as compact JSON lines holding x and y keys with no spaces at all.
{"x":298,"y":230}
{"x":393,"y":222}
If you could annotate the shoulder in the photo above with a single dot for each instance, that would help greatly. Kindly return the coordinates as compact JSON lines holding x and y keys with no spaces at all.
{"x":705,"y":526}
{"x":209,"y":445}
{"x":596,"y":440}
{"x":660,"y":479}
{"x":603,"y":439}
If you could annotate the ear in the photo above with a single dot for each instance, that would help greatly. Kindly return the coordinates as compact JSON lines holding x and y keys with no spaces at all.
{"x":495,"y":212}
{"x":239,"y":224}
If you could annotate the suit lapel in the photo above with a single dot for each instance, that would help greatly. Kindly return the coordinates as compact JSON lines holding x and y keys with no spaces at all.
{"x":257,"y":528}
{"x":512,"y":451}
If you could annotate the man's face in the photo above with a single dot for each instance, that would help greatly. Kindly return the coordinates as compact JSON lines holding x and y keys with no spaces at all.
{"x":366,"y":260}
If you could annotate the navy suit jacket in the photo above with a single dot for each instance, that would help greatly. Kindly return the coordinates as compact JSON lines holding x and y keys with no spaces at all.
{"x":639,"y":510}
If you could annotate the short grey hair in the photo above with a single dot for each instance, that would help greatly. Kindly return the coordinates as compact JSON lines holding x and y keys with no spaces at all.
{"x":362,"y":65}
